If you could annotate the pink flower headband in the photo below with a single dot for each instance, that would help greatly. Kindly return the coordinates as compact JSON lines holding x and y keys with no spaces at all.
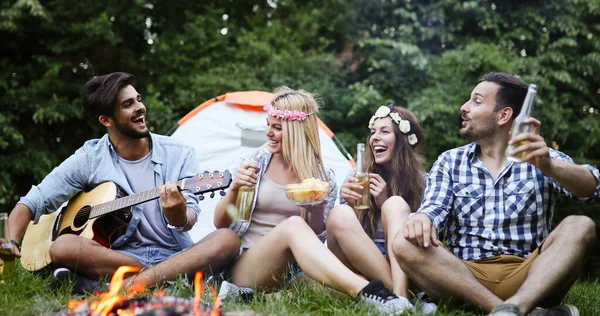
{"x":287,"y":115}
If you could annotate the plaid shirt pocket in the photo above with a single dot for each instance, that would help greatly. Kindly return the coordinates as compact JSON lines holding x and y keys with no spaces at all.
{"x":468,"y":203}
{"x":520,"y":198}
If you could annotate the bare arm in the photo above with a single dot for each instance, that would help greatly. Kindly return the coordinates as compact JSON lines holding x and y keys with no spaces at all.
{"x":17,"y":221}
{"x":575,"y":178}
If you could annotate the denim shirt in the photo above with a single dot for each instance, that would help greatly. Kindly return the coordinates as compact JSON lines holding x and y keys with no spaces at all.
{"x":97,"y":162}
{"x":264,"y":157}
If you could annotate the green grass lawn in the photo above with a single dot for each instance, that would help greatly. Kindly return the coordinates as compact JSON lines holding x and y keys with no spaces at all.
{"x":29,"y":294}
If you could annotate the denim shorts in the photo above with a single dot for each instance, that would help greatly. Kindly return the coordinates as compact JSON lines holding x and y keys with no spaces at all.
{"x":381,"y":246}
{"x":148,"y":256}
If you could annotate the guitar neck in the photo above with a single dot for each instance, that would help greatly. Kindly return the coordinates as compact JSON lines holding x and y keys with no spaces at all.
{"x":128,"y":201}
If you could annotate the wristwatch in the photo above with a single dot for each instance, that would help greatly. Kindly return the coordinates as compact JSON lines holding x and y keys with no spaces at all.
{"x":178,"y":228}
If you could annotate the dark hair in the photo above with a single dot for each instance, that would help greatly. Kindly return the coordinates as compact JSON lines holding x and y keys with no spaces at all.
{"x":100,"y":93}
{"x":511,"y":93}
{"x":407,"y":176}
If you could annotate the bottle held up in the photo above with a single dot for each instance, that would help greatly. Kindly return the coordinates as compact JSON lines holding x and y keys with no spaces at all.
{"x":363,"y":178}
{"x":519,"y":126}
{"x":245,"y":197}
{"x":6,"y":249}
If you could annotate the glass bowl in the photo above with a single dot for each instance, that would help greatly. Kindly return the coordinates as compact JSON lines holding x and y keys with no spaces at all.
{"x":308,"y":193}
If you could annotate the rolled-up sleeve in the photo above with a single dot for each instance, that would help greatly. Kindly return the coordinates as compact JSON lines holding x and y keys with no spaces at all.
{"x":62,"y":183}
{"x":438,"y":192}
{"x":555,"y":154}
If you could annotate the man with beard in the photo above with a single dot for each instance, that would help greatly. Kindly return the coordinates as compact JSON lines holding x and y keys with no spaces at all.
{"x":496,"y":213}
{"x":135,"y":160}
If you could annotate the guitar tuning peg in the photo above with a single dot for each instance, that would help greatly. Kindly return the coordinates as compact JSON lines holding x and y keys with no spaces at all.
{"x":212,"y":195}
{"x":222,"y":193}
{"x":216,"y":171}
{"x":201,"y":197}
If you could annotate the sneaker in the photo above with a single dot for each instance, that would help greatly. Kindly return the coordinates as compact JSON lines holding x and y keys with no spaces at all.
{"x":81,"y":285}
{"x":230,"y":291}
{"x":424,"y":304}
{"x":560,"y":310}
{"x":384,"y":300}
{"x":506,"y":310}
{"x":425,"y":308}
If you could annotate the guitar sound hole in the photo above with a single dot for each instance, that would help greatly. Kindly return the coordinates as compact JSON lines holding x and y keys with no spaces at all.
{"x":82,"y":216}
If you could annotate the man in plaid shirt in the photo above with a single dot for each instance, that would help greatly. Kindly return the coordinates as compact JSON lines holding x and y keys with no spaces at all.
{"x":501,"y":255}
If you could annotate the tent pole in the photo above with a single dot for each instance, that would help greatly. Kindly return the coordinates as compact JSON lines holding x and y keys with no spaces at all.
{"x":172,"y":129}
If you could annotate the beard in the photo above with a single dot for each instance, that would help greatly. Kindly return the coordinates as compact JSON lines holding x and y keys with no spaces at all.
{"x":131,"y":132}
{"x":479,"y":130}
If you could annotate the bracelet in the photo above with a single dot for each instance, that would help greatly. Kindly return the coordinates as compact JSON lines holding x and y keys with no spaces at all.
{"x":179,"y":228}
{"x":16,"y":243}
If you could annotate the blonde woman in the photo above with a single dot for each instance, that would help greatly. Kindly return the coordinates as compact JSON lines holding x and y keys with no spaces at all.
{"x":280,"y":234}
{"x":362,"y":240}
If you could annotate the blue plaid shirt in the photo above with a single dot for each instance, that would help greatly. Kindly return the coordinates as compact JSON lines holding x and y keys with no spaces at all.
{"x":484,"y":217}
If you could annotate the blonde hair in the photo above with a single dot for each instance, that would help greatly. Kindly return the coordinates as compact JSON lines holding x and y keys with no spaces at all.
{"x":301,"y":147}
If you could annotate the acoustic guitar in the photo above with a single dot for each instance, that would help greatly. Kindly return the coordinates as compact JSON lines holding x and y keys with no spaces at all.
{"x":101,"y":214}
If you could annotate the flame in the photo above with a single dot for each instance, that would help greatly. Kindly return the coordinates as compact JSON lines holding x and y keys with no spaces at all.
{"x":106,"y":302}
{"x":72,"y":304}
{"x":216,"y":311}
{"x":198,"y":290}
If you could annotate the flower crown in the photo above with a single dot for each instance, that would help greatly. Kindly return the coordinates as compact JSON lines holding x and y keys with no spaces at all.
{"x":404,"y":125}
{"x":287,"y":115}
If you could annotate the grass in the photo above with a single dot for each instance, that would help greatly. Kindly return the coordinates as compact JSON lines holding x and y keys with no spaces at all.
{"x":28,"y":294}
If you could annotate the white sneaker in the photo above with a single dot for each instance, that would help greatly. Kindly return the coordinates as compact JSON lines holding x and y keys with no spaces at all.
{"x":426,"y":308}
{"x":230,"y":291}
{"x":421,"y":304}
{"x":384,"y":300}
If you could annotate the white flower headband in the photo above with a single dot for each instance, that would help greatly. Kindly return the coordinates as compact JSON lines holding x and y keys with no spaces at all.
{"x":404,"y":125}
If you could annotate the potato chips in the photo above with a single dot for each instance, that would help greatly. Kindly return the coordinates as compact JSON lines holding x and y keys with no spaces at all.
{"x":310,"y":190}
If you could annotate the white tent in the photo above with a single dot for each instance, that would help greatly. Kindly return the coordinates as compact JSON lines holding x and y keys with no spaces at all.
{"x":224,"y":128}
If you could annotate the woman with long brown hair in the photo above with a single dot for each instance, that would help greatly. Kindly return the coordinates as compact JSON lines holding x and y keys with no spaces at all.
{"x":362,"y":239}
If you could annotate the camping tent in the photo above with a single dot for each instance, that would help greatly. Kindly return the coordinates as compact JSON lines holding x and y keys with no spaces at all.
{"x":224,"y":128}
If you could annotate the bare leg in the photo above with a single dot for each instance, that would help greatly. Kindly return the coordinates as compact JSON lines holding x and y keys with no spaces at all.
{"x":394,"y":212}
{"x":92,"y":260}
{"x":265,"y":264}
{"x":87,"y":257}
{"x":559,"y":263}
{"x":209,"y":254}
{"x":441,"y":274}
{"x":347,"y":239}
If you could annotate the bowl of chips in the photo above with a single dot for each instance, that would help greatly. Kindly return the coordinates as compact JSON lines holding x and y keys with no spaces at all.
{"x":308,"y":193}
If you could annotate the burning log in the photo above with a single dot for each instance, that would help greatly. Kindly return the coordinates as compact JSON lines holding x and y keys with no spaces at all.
{"x":112,"y":303}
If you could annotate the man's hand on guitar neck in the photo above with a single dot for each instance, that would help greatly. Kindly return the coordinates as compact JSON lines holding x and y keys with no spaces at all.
{"x":173,"y":205}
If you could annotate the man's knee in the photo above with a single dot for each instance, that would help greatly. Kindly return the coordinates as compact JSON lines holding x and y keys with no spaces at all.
{"x":580,"y":226}
{"x":229,"y":242}
{"x":64,"y":247}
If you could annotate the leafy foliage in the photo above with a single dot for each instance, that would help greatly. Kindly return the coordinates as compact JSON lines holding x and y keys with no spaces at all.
{"x":426,"y":55}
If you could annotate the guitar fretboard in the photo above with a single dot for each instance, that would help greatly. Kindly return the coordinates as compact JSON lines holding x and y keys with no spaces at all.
{"x":126,"y":201}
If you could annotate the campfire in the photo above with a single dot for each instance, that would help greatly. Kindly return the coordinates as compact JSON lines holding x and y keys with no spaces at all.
{"x":115,"y":303}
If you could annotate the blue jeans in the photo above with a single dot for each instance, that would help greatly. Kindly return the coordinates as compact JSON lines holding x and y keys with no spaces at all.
{"x":147,"y":255}
{"x":381,"y":246}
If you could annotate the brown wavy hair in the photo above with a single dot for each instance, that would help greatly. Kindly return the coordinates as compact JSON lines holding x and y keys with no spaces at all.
{"x":406,"y":177}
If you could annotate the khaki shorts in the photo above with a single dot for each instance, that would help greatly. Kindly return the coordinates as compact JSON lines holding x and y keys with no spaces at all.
{"x":503,"y":274}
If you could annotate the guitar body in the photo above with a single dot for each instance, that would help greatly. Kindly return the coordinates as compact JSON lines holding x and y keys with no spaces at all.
{"x":74,"y":219}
